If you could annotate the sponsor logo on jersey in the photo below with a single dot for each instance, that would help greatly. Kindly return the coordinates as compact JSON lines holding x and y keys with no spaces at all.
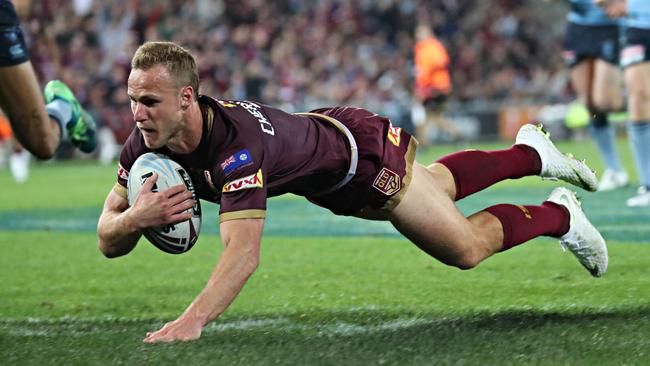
{"x":387,"y":182}
{"x":632,"y":55}
{"x":394,"y":135}
{"x":122,"y":173}
{"x":251,"y":181}
{"x":236,"y":160}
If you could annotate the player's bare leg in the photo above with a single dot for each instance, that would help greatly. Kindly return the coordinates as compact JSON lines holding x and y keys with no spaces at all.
{"x":598,"y":85}
{"x":637,"y":80}
{"x":429,"y":218}
{"x":22,"y":101}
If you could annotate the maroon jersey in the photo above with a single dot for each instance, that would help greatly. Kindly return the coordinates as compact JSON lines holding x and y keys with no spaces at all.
{"x":249,"y":152}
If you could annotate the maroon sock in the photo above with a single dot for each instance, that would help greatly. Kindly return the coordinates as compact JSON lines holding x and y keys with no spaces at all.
{"x":522,"y":223}
{"x":475,"y":170}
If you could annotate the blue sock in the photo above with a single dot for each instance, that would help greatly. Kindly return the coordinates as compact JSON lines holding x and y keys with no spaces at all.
{"x":61,"y":112}
{"x":639,"y":135}
{"x":605,"y":137}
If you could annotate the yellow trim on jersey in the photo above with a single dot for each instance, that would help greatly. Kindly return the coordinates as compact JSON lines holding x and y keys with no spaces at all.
{"x":244,"y":214}
{"x":410,"y":159}
{"x":121,"y":191}
{"x":210,"y":121}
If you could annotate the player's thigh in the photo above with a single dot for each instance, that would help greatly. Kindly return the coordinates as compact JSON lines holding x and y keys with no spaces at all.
{"x":607,"y":87}
{"x":581,"y":75}
{"x":430,"y":219}
{"x":637,"y":81}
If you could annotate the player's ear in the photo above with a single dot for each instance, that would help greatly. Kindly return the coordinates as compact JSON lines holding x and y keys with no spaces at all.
{"x":187,"y":97}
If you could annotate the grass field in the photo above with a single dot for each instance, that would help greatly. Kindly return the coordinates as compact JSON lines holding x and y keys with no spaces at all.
{"x":329,"y":290}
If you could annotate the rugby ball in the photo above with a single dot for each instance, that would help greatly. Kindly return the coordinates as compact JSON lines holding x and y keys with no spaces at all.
{"x":174,"y":238}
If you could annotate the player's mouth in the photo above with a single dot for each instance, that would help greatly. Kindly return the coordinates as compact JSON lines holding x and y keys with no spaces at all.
{"x":147,"y":131}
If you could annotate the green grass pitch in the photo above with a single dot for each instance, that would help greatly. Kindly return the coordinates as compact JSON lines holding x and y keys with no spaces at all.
{"x":329,"y":290}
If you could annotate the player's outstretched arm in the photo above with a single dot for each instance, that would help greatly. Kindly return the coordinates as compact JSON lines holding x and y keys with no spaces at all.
{"x":120,"y":226}
{"x":237,"y":263}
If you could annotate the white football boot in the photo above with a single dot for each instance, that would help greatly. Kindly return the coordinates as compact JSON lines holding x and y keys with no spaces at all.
{"x":19,"y":165}
{"x":641,"y":199}
{"x":556,"y":165}
{"x":612,"y":180}
{"x":582,"y":239}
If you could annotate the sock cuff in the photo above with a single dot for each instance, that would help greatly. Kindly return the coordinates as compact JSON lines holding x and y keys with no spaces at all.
{"x":501,"y":212}
{"x":566,"y":224}
{"x":599,"y":120}
{"x":56,"y":116}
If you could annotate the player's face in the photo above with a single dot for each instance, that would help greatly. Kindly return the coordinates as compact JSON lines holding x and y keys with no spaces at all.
{"x":156,"y":106}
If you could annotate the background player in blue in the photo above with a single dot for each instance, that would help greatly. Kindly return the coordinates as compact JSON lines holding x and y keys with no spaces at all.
{"x":635,"y":59}
{"x":39,"y":128}
{"x":346,"y":159}
{"x":591,"y":49}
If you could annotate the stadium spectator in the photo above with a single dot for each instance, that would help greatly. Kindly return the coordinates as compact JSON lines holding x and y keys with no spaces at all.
{"x":348,"y":160}
{"x":591,"y":50}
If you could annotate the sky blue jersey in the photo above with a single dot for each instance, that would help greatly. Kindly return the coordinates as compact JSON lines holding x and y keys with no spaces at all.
{"x":585,"y":12}
{"x":638,"y":14}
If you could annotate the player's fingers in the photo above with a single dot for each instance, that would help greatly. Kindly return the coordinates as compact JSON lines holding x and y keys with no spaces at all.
{"x":149,"y":182}
{"x":174,"y":190}
{"x":180,"y":197}
{"x":180,"y":217}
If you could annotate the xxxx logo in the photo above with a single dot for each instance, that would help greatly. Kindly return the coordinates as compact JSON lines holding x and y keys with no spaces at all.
{"x":251,"y":181}
{"x":387,"y":182}
{"x":394,"y":134}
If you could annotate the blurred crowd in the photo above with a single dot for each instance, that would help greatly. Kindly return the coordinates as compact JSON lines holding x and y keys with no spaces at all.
{"x":296,"y":54}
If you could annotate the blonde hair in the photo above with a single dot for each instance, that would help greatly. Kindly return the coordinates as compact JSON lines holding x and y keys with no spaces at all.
{"x":179,"y":62}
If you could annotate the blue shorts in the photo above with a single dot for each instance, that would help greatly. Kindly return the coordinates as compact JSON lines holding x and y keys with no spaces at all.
{"x":637,"y":47}
{"x":591,"y":42}
{"x":13,"y":50}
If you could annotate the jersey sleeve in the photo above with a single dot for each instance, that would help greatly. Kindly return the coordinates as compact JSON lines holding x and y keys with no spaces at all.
{"x":244,"y":196}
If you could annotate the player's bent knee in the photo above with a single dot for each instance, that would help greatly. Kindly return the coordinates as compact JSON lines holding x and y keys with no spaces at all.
{"x":43,"y":152}
{"x":465,"y":261}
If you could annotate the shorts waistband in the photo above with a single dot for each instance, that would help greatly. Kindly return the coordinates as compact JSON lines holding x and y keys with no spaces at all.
{"x":354,"y":151}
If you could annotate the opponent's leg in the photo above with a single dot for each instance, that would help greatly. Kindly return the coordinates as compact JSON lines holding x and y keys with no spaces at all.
{"x":80,"y":126}
{"x":22,"y":102}
{"x":607,"y":95}
{"x":637,"y":80}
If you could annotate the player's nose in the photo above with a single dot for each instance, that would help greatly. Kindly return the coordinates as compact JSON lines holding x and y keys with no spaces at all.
{"x":139,"y":112}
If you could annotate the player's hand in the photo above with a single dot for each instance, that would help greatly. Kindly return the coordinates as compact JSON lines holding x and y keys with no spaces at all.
{"x":153,"y":209}
{"x":181,"y":329}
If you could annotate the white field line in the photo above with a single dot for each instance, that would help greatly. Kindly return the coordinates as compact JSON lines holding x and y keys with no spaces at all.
{"x":85,"y":327}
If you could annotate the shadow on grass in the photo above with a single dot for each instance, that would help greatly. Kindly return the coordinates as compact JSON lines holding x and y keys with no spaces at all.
{"x":345,"y":338}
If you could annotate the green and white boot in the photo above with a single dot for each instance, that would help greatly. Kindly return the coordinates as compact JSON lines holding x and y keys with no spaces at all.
{"x":81,"y":129}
